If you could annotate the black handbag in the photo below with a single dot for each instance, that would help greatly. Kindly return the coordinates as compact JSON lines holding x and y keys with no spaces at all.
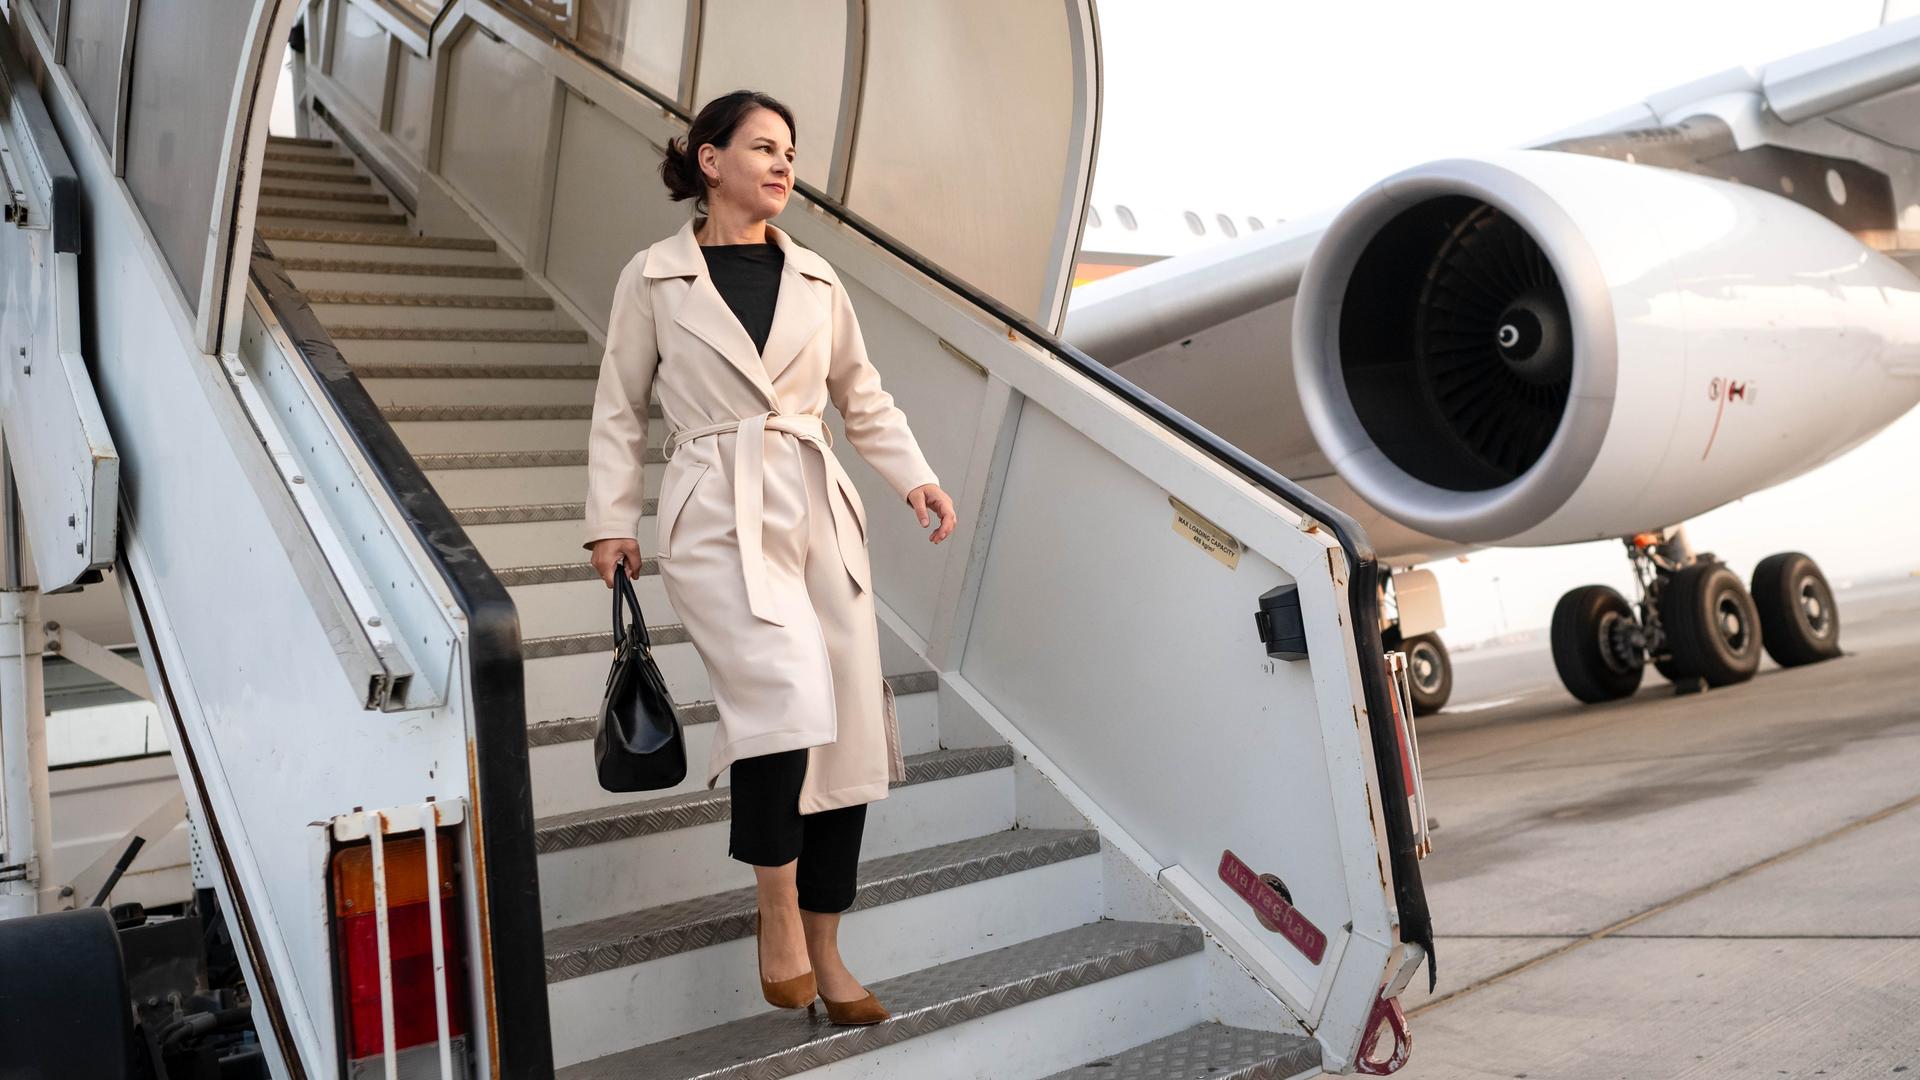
{"x":638,"y":746}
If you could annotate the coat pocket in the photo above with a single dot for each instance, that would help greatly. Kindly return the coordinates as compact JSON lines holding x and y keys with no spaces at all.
{"x":671,"y":503}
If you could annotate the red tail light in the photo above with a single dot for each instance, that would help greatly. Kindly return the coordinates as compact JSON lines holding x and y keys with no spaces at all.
{"x":409,"y":942}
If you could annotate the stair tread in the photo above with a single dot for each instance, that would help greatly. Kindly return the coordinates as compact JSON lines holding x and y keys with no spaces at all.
{"x":375,"y":266}
{"x":321,"y":177}
{"x":373,"y":197}
{"x":517,"y":459}
{"x":558,"y":573}
{"x":477,"y":371}
{"x":782,"y":1042}
{"x":301,"y":141}
{"x":1205,"y":1052}
{"x":457,"y":333}
{"x":638,"y":936}
{"x":530,"y":512}
{"x":598,"y":641}
{"x":420,"y":413}
{"x":644,"y":817}
{"x":307,"y":157}
{"x":314,"y":213}
{"x":299,"y":234}
{"x":580,"y":728}
{"x":415,"y":299}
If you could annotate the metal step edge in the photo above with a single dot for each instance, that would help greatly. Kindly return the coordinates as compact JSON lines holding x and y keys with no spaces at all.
{"x":558,"y":573}
{"x":640,"y":936}
{"x":301,"y":141}
{"x":457,"y":333}
{"x":372,"y":197}
{"x":298,"y":234}
{"x":779,"y":1043}
{"x":486,"y":301}
{"x":318,"y":177}
{"x":476,"y":371}
{"x":309,"y":213}
{"x":532,"y":512}
{"x":580,"y":728}
{"x":414,"y":414}
{"x":544,"y":648}
{"x":290,"y":157}
{"x":374,"y":266}
{"x":515,"y":459}
{"x":645,"y":817}
{"x":1213,"y":1051}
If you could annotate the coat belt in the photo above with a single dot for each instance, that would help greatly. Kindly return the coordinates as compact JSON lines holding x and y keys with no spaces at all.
{"x":749,"y":477}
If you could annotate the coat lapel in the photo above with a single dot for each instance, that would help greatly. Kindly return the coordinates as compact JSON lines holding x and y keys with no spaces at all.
{"x":798,"y":314}
{"x":705,"y":313}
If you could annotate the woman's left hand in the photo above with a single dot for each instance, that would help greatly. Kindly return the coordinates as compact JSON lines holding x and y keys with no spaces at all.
{"x":930,"y":497}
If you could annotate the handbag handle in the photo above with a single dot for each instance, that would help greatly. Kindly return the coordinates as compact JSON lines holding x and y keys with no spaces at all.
{"x":623,"y":591}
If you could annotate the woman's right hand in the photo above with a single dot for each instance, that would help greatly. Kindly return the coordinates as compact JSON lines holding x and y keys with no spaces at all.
{"x":607,"y":553}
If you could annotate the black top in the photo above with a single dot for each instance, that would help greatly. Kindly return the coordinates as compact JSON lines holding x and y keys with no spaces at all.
{"x":748,"y":277}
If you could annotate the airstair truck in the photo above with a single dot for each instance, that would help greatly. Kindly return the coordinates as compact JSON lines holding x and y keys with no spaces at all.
{"x":313,"y":412}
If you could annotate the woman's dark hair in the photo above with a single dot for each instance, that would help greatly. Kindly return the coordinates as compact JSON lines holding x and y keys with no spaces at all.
{"x":715,"y":124}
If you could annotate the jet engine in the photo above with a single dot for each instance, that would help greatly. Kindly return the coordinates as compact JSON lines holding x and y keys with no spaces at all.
{"x":1539,"y":347}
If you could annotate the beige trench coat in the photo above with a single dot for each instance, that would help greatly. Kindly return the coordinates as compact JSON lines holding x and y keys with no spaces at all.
{"x":760,"y":535}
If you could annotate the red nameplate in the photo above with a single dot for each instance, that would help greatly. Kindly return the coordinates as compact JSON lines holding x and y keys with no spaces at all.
{"x":1273,"y":912}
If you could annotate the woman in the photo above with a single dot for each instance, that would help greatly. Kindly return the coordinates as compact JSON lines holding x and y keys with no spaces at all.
{"x":761,"y":537}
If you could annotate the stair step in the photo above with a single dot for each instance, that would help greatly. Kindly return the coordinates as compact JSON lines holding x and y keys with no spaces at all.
{"x":580,"y":728}
{"x":311,"y":176}
{"x":439,"y":300}
{"x":478,"y":384}
{"x":350,"y":217}
{"x":522,"y":484}
{"x":945,"y":996}
{"x":599,"y":641}
{"x":514,"y":515}
{"x":584,"y":372}
{"x":307,"y":158}
{"x":598,"y":862}
{"x":587,"y":827}
{"x":322,"y":195}
{"x":640,"y":936}
{"x":299,"y":234}
{"x":299,"y":141}
{"x":415,"y":269}
{"x":488,"y":334}
{"x":469,"y":413}
{"x":517,"y":459}
{"x":1206,"y":1052}
{"x":556,"y":573}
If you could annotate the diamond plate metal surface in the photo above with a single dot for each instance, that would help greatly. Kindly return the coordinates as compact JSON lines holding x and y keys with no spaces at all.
{"x":457,"y":333}
{"x":554,"y":573}
{"x":399,"y":413}
{"x":314,"y":174}
{"x":575,"y":644}
{"x":1206,"y":1052}
{"x":477,"y":371}
{"x":576,"y":728}
{"x":373,"y":239}
{"x":375,"y":266}
{"x":349,"y":236}
{"x":643,"y":817}
{"x":353,"y":217}
{"x":516,"y":459}
{"x":783,"y":1043}
{"x":490,"y":301}
{"x":511,"y":515}
{"x":267,"y":192}
{"x":308,"y":158}
{"x":639,"y":936}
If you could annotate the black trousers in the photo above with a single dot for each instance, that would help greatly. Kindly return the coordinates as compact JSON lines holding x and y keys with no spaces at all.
{"x":769,"y":830}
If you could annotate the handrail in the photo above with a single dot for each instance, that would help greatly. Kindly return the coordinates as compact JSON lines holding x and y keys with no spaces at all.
{"x":1363,"y":584}
{"x":502,"y":817}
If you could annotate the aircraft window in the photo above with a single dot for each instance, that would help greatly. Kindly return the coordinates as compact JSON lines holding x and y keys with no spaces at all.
{"x":1093,"y":216}
{"x":1193,"y":222}
{"x":1126,"y":217}
{"x":1226,"y":225}
{"x":1255,"y":224}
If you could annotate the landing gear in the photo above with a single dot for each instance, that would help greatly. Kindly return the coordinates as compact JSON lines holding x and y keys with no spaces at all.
{"x":1696,"y":623}
{"x":1429,"y":673}
{"x":1798,"y":620}
{"x":1598,"y":648}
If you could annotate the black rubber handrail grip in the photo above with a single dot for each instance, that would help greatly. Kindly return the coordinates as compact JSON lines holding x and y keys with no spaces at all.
{"x":503,"y":815}
{"x":1363,"y":584}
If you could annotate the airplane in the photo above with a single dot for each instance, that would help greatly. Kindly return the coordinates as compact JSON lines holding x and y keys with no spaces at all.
{"x":1601,"y":334}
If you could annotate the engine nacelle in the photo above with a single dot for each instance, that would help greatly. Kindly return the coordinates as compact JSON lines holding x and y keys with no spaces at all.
{"x":1536,"y":347}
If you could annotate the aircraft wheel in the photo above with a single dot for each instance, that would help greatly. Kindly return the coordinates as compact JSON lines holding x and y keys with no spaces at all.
{"x":1712,"y":624}
{"x":1429,"y":673}
{"x":1595,"y":649}
{"x":1799,"y":622}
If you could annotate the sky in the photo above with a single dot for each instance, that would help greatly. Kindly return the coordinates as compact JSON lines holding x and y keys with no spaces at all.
{"x":1287,"y":108}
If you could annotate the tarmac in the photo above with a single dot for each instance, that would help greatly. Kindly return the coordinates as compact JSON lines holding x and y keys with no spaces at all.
{"x":1724,"y":884}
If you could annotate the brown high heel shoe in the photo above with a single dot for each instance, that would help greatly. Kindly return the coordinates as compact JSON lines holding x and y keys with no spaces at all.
{"x":793,"y":993}
{"x":866,"y":1010}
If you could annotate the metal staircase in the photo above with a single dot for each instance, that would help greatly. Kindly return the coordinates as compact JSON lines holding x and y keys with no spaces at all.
{"x":990,"y":920}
